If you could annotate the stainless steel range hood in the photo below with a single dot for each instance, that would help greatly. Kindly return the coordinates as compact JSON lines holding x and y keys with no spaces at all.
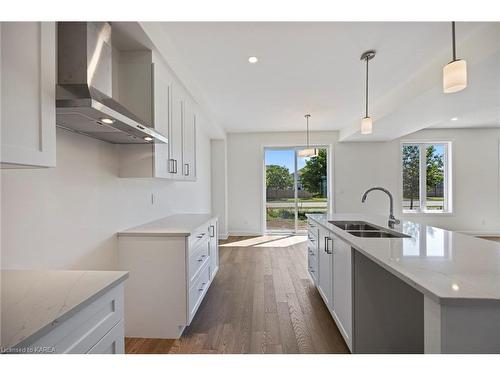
{"x":84,"y":102}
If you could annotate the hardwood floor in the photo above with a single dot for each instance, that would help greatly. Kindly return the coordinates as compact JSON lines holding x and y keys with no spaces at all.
{"x":261,"y":301}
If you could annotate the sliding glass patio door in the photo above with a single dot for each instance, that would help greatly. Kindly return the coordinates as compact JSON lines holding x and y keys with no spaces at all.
{"x":294,"y":186}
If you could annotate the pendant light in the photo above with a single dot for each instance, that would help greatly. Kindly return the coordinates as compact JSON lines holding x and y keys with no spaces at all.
{"x":455,"y":72}
{"x":307,"y":152}
{"x":367,"y":122}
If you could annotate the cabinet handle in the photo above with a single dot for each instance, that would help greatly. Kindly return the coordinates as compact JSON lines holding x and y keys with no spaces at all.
{"x":186,"y":169}
{"x":175,"y":164}
{"x":171,"y":167}
{"x":202,"y":287}
{"x":327,"y":247}
{"x":311,"y":239}
{"x":212,"y":230}
{"x":200,"y":235}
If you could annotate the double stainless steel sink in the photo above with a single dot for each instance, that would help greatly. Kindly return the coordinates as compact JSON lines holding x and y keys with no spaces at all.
{"x":364,"y":229}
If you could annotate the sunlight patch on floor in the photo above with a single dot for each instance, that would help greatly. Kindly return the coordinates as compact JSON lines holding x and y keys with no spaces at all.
{"x":284,"y":242}
{"x":253,"y":241}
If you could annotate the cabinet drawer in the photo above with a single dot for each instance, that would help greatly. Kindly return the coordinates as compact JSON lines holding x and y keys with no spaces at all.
{"x":197,"y":260}
{"x":312,"y":262}
{"x":80,"y":332}
{"x":112,"y":343}
{"x":199,"y":235}
{"x":198,"y":290}
{"x":312,"y":230}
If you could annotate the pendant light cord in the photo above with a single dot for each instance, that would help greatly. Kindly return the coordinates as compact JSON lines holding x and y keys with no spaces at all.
{"x":307,"y":129}
{"x":366,"y":106}
{"x":453,"y":41}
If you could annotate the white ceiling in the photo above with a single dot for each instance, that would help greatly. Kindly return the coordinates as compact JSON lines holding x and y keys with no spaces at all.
{"x":315,"y":68}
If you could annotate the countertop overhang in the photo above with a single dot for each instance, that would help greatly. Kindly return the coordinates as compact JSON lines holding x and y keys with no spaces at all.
{"x":449,"y":267}
{"x":174,"y":225}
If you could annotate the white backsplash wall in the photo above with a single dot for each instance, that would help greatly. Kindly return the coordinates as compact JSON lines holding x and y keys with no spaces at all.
{"x":67,"y":217}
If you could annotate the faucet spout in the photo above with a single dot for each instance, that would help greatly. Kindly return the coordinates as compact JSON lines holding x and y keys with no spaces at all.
{"x":392,"y":219}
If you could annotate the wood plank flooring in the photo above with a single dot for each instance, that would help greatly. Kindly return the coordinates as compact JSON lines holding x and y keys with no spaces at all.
{"x":261,"y":301}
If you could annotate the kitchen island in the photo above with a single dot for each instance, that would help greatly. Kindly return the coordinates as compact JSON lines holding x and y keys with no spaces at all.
{"x":62,"y":311}
{"x":432,"y":291}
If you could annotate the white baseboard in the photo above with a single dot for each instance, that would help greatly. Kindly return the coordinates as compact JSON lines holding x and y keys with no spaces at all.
{"x":480,"y":233}
{"x":223,"y":236}
{"x":244,"y":234}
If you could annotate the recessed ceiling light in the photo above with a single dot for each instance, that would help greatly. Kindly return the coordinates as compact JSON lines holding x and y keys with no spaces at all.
{"x":454,"y":119}
{"x":107,"y":120}
{"x":148,"y":139}
{"x":455,"y":287}
{"x":253,"y":59}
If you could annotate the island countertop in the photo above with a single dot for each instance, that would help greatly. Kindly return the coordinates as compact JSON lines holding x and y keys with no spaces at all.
{"x":33,"y":301}
{"x":447,"y":266}
{"x":174,"y":225}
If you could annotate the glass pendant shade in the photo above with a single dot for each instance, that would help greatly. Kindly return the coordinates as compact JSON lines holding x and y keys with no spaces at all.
{"x":455,"y":76}
{"x":308,"y":153}
{"x":366,"y":125}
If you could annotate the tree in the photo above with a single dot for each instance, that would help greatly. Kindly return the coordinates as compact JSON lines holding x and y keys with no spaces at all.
{"x":278,"y":178}
{"x":435,"y":171}
{"x":411,"y":173}
{"x":313,"y":173}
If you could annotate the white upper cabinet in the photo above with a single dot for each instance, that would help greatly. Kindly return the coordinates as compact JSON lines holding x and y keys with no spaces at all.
{"x":170,"y":114}
{"x":28,"y":84}
{"x":175,"y":132}
{"x":189,"y":143}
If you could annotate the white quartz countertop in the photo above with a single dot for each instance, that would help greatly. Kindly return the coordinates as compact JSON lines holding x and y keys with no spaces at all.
{"x":34,"y":301}
{"x":449,"y":267}
{"x":175,"y":225}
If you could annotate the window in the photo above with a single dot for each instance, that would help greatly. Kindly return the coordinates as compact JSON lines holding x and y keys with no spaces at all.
{"x":426,"y":177}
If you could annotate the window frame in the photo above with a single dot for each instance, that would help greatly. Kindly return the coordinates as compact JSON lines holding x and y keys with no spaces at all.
{"x":447,"y":184}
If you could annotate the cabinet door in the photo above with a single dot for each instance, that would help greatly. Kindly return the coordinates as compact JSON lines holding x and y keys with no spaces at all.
{"x":342,"y":294}
{"x":28,"y":83}
{"x":189,"y":143}
{"x":325,"y":267}
{"x":175,"y":133}
{"x":161,"y":91}
{"x":213,"y":232}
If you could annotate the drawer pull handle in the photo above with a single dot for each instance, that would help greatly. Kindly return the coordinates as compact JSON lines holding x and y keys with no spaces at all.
{"x":202,"y":257}
{"x":202,"y":287}
{"x":200,"y":235}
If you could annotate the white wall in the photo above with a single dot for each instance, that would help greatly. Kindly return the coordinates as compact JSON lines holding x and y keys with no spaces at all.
{"x":219,"y":184}
{"x":245,"y":153}
{"x":68,"y":216}
{"x":476,"y":179}
{"x":358,"y":166}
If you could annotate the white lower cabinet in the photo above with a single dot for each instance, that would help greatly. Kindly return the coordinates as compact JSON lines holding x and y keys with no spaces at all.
{"x":324,"y":284}
{"x":97,"y":328}
{"x":342,"y":288}
{"x":333,"y":277}
{"x":213,"y":232}
{"x":312,"y":251}
{"x":169,"y":275}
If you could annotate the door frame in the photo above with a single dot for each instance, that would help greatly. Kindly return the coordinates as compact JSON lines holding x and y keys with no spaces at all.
{"x":329,"y":192}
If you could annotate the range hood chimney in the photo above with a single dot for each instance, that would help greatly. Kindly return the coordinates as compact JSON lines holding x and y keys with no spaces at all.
{"x":84,"y":102}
